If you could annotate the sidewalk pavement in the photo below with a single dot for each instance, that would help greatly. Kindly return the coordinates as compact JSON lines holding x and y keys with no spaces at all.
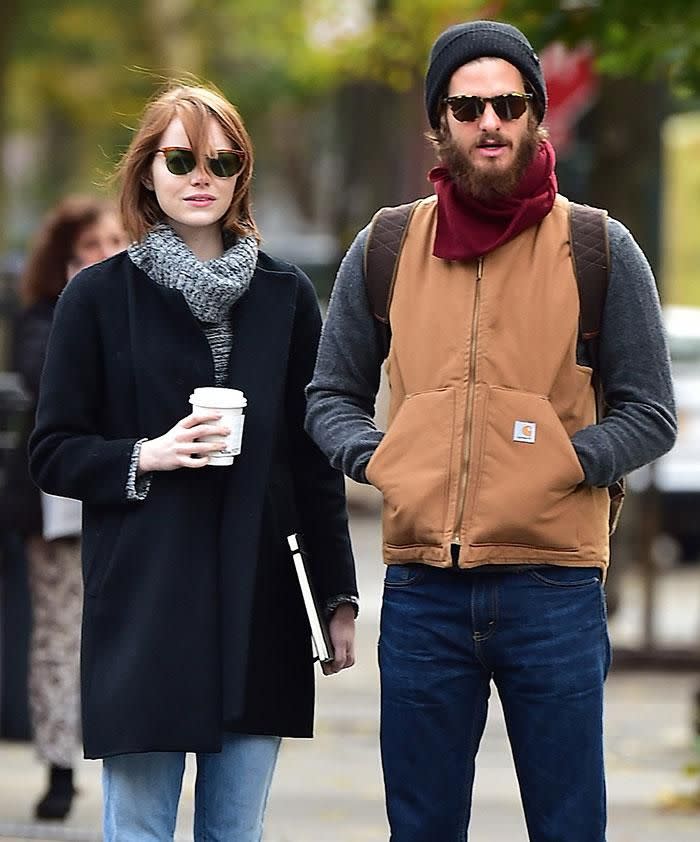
{"x":329,"y":789}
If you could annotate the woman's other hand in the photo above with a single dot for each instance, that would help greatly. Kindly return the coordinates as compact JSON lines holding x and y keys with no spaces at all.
{"x":179,"y":448}
{"x":342,"y":630}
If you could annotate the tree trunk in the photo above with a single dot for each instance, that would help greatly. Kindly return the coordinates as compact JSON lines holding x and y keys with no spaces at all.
{"x":174,"y":35}
{"x":625,"y":177}
{"x":7,"y":30}
{"x":382,"y":154}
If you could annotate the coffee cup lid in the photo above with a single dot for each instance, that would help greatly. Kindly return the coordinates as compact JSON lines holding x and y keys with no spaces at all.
{"x":217,"y":397}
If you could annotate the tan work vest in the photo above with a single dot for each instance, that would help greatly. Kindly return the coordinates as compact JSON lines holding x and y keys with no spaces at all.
{"x":486,"y":394}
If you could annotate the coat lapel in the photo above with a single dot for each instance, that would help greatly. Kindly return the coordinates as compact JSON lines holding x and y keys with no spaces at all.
{"x":262,"y":326}
{"x":262,"y":329}
{"x":170,"y":354}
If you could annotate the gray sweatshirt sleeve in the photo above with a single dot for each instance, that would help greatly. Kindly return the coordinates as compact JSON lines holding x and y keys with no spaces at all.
{"x":635,"y":372}
{"x":341,"y":396}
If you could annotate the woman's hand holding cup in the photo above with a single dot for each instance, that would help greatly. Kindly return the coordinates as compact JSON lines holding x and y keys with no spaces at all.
{"x":180,"y":446}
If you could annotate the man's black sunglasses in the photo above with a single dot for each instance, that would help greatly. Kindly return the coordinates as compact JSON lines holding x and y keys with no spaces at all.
{"x":181,"y":161}
{"x":466,"y":109}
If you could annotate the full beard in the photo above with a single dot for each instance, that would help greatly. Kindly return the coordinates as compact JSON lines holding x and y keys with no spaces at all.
{"x":488,"y":184}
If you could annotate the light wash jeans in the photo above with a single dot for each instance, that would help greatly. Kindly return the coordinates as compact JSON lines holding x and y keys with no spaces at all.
{"x":142,"y":791}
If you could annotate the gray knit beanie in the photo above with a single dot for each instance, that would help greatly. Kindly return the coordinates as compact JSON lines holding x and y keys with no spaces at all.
{"x":465,"y":42}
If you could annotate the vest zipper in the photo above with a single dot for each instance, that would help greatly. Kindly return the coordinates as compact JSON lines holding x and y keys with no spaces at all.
{"x":462,"y":492}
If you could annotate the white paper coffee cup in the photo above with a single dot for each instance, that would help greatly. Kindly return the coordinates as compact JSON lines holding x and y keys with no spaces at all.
{"x":231,"y":403}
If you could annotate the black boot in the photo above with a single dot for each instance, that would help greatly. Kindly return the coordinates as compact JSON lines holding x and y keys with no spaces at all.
{"x":57,"y":801}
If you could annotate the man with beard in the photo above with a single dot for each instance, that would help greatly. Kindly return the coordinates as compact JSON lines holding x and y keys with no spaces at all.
{"x":494,"y":467}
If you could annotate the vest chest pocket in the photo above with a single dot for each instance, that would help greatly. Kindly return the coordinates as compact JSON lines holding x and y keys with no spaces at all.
{"x":526,"y":476}
{"x":411,"y":467}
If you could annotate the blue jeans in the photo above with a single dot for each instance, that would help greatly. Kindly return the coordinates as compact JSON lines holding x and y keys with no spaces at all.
{"x":541,"y":636}
{"x":141,"y":792}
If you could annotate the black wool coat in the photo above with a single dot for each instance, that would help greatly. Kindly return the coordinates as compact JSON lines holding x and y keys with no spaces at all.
{"x":193,"y":621}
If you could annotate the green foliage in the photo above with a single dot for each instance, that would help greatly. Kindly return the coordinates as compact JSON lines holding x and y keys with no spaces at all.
{"x":639,"y":38}
{"x":643,"y":38}
{"x":77,"y":72}
{"x":392,"y":50}
{"x":72,"y":66}
{"x":80,"y":55}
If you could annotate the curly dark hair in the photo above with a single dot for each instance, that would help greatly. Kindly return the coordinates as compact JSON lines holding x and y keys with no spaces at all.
{"x":45,"y":273}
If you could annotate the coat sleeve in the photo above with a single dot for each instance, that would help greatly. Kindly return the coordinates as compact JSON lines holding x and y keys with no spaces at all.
{"x":318,"y":488}
{"x":69,"y":453}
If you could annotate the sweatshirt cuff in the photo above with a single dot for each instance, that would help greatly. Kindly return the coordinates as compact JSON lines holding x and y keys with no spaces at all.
{"x":137,"y":488}
{"x":595,"y":456}
{"x":342,"y":599}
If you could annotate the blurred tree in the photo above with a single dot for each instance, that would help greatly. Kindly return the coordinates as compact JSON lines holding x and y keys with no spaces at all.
{"x":641,"y":47}
{"x":642,"y":38}
{"x":69,"y":89}
{"x":7,"y":33}
{"x":647,"y":39}
{"x":644,"y":50}
{"x":174,"y":33}
{"x":74,"y":72}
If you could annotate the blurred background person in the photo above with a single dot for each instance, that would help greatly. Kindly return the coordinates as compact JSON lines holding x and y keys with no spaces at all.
{"x":78,"y":232}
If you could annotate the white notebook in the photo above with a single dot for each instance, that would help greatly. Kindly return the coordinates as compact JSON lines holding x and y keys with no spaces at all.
{"x":320,"y":636}
{"x":62,"y":517}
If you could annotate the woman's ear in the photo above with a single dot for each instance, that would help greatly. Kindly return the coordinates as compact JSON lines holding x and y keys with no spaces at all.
{"x":147,"y":181}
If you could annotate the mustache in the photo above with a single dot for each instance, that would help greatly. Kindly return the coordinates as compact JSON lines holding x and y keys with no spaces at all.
{"x":491,"y":138}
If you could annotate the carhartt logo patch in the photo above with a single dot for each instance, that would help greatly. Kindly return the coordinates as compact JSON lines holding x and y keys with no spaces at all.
{"x":525,"y":431}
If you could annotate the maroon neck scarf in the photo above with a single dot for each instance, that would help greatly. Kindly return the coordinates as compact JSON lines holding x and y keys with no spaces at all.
{"x":468,"y":227}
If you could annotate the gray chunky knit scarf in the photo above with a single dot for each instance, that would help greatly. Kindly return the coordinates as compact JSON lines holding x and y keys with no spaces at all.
{"x":210,"y":287}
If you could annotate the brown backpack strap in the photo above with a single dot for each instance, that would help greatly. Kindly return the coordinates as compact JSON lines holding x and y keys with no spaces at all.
{"x":590,"y":252}
{"x":382,"y":250}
